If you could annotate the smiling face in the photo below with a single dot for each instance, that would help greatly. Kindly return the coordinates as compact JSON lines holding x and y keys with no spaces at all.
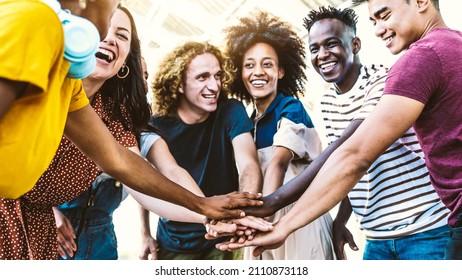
{"x":333,"y":47}
{"x":261,"y":72}
{"x":395,"y":23}
{"x":201,"y":88}
{"x":114,"y":49}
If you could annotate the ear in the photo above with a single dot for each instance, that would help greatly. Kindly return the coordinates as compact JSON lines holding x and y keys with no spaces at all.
{"x":281,"y":73}
{"x":356,"y":45}
{"x":180,"y":89}
{"x":422,"y":5}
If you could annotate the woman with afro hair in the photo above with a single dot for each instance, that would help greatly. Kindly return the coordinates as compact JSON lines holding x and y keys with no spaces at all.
{"x":270,"y":62}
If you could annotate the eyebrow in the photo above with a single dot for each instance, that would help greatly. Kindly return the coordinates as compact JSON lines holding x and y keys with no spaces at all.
{"x":123,"y":29}
{"x":264,"y":58}
{"x":380,"y":11}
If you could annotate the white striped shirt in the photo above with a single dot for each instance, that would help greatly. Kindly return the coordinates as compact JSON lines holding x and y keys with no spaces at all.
{"x":395,"y":197}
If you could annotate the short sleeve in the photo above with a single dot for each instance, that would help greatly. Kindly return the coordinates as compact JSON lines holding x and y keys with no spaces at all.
{"x":79,"y":98}
{"x":303,"y":141}
{"x":146,"y":141}
{"x":238,"y":121}
{"x":416,"y":74}
{"x":32,"y":42}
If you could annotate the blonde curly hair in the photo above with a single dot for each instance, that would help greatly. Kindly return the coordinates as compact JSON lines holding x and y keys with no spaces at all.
{"x":172,"y":72}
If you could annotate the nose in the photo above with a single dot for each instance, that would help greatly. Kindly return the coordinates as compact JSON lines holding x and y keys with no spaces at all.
{"x":323,"y":53}
{"x":258,"y":70}
{"x":379,"y":29}
{"x":109,"y":39}
{"x":213,"y":84}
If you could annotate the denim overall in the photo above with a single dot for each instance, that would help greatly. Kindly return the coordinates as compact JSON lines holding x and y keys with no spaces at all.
{"x":91,"y":217}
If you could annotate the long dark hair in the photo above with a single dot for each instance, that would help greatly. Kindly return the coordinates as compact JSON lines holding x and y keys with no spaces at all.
{"x":130,"y":91}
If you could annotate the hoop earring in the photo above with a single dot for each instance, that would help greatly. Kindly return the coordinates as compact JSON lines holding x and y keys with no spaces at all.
{"x":123,"y":72}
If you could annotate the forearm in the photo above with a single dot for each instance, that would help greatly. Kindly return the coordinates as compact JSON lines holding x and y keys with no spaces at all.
{"x":97,"y":143}
{"x":292,"y":190}
{"x":335,"y":179}
{"x":251,"y":179}
{"x":344,"y":211}
{"x":145,"y":224}
{"x":273,"y":179}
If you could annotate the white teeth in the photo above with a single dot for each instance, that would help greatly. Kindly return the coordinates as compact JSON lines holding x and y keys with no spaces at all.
{"x":259,"y":82}
{"x":209,"y":96}
{"x":324,"y":66}
{"x":108,"y":54}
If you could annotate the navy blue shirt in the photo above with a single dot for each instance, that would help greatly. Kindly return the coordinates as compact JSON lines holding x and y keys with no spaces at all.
{"x":205,"y":151}
{"x":282,"y":106}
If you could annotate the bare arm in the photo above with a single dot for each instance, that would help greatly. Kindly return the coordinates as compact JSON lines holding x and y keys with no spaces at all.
{"x":292,"y":190}
{"x":86,"y":130}
{"x":148,"y":243}
{"x":161,"y":158}
{"x":276,"y":170}
{"x":250,"y":176}
{"x":389,"y":120}
{"x":9,"y":92}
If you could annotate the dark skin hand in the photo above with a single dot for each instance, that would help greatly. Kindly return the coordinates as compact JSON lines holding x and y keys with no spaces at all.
{"x":292,"y":190}
{"x":341,"y":234}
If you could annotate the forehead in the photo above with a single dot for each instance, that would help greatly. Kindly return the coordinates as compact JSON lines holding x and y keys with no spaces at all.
{"x":327,"y":28}
{"x":121,"y":20}
{"x":378,"y":6}
{"x":260,"y":48}
{"x":203,"y":63}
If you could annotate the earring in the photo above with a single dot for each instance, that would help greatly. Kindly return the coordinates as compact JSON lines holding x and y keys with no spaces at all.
{"x":123,"y":72}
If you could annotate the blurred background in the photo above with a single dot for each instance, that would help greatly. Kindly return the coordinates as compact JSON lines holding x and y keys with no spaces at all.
{"x":163,"y":24}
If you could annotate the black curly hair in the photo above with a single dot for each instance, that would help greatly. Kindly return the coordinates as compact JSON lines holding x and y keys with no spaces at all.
{"x":347,"y":16}
{"x":279,"y":34}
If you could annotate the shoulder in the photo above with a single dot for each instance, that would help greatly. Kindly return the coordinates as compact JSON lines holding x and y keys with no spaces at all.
{"x":28,"y":12}
{"x":231,"y":106}
{"x":374,"y":73}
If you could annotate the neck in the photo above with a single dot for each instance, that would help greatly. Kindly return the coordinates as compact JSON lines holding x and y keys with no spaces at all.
{"x":348,"y":82}
{"x":437,"y":22}
{"x":190,"y":116}
{"x":262,"y":104}
{"x":91,"y":86}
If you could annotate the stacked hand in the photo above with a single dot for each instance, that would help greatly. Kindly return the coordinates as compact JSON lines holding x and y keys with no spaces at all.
{"x":262,"y":239}
{"x":239,"y":230}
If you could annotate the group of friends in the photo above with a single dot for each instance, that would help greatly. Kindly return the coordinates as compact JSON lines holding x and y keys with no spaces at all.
{"x":227,"y":184}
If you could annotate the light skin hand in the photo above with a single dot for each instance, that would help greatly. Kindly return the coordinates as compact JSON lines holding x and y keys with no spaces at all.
{"x":263,"y":240}
{"x":245,"y":226}
{"x":66,"y":235}
{"x":148,"y":243}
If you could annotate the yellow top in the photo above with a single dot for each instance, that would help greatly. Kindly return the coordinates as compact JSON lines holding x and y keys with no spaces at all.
{"x":31,"y":130}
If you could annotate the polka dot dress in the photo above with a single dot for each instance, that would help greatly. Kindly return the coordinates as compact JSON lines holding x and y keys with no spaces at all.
{"x":27,"y":225}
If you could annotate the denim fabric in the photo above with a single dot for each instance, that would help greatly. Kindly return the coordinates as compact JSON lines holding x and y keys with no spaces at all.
{"x":427,"y":245}
{"x":454,"y":246}
{"x":97,"y":239}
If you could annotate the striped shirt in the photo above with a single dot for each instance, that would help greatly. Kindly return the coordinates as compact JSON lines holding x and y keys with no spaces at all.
{"x":395,"y":197}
